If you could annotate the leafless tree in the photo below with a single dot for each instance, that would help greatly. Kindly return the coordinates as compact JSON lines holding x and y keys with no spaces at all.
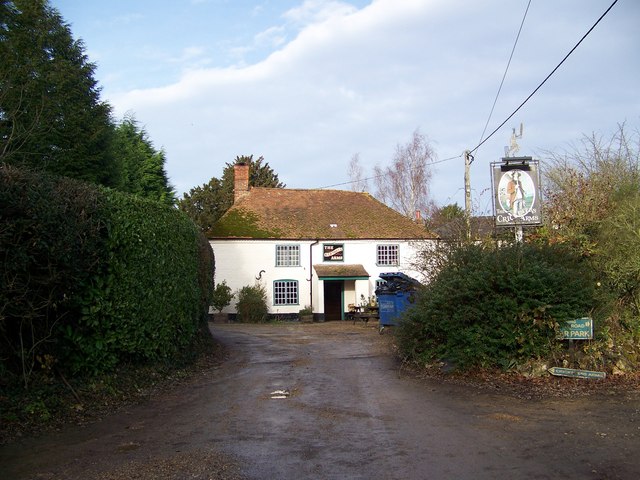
{"x":359,"y":182}
{"x":616,"y":157}
{"x":404,"y":186}
{"x":584,"y":183}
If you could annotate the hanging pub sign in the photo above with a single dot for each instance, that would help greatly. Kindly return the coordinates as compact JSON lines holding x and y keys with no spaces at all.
{"x":516,"y":192}
{"x":333,"y":252}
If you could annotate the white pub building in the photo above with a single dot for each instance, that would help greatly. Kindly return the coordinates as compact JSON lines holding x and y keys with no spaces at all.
{"x":319,"y":248}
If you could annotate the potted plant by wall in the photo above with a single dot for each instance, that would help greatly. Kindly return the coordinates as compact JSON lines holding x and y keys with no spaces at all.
{"x":221,"y":298}
{"x":306,"y":314}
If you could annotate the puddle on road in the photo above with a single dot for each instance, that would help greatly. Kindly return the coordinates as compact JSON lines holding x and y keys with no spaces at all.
{"x":127,"y":447}
{"x":506,"y":417}
{"x":280,"y":394}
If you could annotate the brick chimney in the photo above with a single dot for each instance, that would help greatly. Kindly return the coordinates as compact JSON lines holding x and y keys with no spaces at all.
{"x":240,"y":181}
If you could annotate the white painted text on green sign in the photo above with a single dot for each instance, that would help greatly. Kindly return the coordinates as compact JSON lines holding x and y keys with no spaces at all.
{"x":578,"y":329}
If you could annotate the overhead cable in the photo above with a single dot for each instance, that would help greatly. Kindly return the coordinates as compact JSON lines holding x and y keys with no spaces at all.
{"x":545,"y":80}
{"x":505,"y":71}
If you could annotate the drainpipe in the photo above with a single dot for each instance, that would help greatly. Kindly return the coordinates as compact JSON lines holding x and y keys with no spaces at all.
{"x":310,"y":279}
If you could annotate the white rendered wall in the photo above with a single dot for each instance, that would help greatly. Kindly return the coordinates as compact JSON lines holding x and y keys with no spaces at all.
{"x":245,"y":262}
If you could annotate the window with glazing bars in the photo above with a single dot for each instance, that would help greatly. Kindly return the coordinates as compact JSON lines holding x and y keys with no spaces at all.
{"x":285,"y":292}
{"x":387,"y":255}
{"x":287,"y":255}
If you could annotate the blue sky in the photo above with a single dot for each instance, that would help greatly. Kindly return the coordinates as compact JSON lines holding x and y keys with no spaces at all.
{"x":309,"y":83}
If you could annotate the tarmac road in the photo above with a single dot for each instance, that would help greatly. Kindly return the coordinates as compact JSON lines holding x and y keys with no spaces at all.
{"x":343,"y":411}
{"x":352,"y":415}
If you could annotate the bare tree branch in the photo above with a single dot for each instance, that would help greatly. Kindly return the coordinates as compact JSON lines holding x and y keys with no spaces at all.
{"x":404,"y":186}
{"x":356,"y":174}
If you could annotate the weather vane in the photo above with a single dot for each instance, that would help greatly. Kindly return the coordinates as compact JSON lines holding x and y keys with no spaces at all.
{"x":513,"y":148}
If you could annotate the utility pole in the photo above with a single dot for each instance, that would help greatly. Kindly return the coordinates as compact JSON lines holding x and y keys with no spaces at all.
{"x":467,"y":192}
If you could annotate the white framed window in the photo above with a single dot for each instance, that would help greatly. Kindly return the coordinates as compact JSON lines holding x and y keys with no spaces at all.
{"x":287,"y":255}
{"x":285,"y":292}
{"x":387,"y":255}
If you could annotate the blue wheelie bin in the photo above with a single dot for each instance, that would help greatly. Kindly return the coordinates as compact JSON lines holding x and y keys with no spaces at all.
{"x":394,"y":296}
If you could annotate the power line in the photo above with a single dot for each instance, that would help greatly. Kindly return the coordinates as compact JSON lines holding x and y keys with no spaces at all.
{"x":505,"y":71}
{"x":350,"y":182}
{"x":382,"y":175}
{"x":445,"y":160}
{"x":547,"y":78}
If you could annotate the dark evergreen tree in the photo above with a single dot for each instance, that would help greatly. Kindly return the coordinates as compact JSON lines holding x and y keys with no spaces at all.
{"x":51,"y":115}
{"x":206,"y":204}
{"x":141,"y":166}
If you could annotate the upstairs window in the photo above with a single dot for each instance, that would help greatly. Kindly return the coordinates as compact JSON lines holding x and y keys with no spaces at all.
{"x":387,"y":255}
{"x":287,"y":255}
{"x":285,"y":292}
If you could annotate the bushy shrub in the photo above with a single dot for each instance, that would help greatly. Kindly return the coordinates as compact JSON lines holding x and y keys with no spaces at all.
{"x":497,"y":307}
{"x":592,"y":203}
{"x":618,"y":253}
{"x":252,"y":304}
{"x":222,"y":296}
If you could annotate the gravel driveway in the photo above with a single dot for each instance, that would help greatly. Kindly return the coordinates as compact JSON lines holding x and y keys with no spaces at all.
{"x":327,"y":401}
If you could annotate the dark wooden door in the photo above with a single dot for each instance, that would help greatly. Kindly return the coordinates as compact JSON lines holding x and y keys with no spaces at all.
{"x":333,"y":299}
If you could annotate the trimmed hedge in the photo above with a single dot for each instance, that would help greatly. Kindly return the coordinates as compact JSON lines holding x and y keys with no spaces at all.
{"x":51,"y":242}
{"x":92,"y":278}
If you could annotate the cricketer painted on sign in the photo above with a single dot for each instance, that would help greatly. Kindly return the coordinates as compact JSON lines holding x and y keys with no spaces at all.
{"x":516,"y":193}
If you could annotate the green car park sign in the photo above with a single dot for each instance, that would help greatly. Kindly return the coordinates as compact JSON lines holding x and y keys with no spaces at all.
{"x":578,"y":329}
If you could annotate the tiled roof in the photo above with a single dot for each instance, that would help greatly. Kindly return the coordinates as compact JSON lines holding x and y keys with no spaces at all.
{"x":314,"y":214}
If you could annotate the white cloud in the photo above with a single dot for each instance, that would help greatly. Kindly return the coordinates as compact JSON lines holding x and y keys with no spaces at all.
{"x":128,"y":18}
{"x":273,"y":37}
{"x":192,"y":52}
{"x":257,"y":10}
{"x":361,"y":81}
{"x":315,"y":11}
